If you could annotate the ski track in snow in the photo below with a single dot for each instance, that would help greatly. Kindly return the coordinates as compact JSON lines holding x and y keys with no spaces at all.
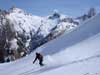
{"x":48,"y":68}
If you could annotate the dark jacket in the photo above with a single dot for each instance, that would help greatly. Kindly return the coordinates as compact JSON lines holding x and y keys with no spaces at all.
{"x":39,"y":57}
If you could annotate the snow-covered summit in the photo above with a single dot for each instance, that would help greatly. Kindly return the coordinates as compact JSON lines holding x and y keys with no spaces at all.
{"x":14,"y":9}
{"x":23,"y":21}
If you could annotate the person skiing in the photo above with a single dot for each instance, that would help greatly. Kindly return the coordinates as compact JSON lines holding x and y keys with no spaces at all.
{"x":40,"y":58}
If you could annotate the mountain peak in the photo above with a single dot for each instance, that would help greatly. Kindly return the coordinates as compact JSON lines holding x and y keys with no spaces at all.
{"x":55,"y":14}
{"x":55,"y":11}
{"x":14,"y":9}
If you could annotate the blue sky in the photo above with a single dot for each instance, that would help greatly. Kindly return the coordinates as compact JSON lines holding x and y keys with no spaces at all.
{"x":45,"y":7}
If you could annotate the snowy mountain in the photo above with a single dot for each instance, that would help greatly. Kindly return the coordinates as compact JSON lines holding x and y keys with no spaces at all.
{"x":76,"y":52}
{"x":28,"y":31}
{"x":26,"y":22}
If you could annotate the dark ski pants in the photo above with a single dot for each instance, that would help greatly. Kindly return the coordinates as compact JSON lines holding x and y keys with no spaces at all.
{"x":41,"y":62}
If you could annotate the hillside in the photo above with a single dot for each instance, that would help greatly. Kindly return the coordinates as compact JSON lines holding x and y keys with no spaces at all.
{"x":74,"y":53}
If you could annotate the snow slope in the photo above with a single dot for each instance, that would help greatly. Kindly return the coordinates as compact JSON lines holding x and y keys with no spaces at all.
{"x":74,"y":53}
{"x":82,"y":32}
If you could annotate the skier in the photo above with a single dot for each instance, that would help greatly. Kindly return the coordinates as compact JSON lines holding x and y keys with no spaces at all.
{"x":40,"y":58}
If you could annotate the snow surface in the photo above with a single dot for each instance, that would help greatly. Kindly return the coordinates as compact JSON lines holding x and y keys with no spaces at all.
{"x":74,"y":53}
